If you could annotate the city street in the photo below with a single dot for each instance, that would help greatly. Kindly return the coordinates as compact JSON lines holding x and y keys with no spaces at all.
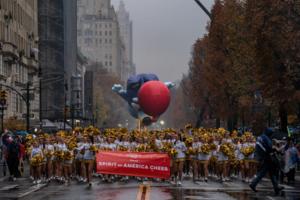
{"x":149,"y":99}
{"x":22,"y":189}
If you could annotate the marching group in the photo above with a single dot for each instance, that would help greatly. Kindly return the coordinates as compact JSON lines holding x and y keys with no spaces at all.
{"x":198,"y":153}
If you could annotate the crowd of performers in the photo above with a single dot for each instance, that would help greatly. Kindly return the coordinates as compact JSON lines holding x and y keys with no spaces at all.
{"x":198,"y":153}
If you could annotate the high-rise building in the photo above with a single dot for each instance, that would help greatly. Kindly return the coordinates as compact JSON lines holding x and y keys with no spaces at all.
{"x":18,"y":56}
{"x":58,"y":56}
{"x":98,"y":34}
{"x":51,"y":53}
{"x":125,"y":25}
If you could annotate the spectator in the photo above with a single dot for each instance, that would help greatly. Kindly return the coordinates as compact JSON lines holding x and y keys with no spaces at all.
{"x":22,"y":153}
{"x":291,"y":161}
{"x":12,"y":158}
{"x":264,"y":155}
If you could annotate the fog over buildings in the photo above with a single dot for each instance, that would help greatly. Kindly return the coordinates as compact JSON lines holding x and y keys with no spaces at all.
{"x":163,"y":34}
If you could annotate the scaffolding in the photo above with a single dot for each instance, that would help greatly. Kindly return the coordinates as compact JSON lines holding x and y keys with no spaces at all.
{"x":51,"y":54}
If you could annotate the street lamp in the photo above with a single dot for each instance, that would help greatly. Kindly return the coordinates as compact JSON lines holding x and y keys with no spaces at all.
{"x":203,"y":8}
{"x":162,"y":122}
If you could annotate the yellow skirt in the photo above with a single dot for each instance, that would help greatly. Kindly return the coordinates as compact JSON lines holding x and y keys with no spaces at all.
{"x":179,"y":160}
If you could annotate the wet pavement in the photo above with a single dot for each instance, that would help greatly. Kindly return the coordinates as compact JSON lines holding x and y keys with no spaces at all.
{"x":159,"y":191}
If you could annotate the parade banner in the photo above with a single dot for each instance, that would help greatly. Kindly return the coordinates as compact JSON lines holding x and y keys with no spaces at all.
{"x":151,"y":165}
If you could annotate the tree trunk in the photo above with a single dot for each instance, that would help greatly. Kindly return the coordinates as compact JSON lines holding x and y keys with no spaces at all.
{"x":283,"y":117}
{"x":200,"y":117}
{"x":218,"y":122}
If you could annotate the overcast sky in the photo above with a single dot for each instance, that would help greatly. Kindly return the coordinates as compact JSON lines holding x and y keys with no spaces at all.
{"x":163,"y":34}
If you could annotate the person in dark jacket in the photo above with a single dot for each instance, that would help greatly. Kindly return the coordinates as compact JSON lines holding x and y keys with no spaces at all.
{"x":264,"y":153}
{"x":12,"y":158}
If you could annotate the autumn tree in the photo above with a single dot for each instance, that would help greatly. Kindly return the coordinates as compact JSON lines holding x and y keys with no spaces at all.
{"x":252,"y":47}
{"x":109,"y":109}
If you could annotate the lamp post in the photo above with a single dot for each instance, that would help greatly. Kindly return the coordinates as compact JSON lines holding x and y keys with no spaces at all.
{"x":203,"y":8}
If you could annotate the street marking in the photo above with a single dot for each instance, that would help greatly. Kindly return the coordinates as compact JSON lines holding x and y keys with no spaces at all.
{"x":287,"y":186}
{"x":3,"y":178}
{"x":270,"y":198}
{"x":32,"y":189}
{"x":9,"y":187}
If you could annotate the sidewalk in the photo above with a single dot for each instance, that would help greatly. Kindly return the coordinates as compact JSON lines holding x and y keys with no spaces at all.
{"x":17,"y":189}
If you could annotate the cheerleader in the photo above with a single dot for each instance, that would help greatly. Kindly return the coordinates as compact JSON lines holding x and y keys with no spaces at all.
{"x":194,"y":157}
{"x":247,"y":158}
{"x":252,"y":160}
{"x":213,"y":164}
{"x":49,"y":154}
{"x":67,"y":164}
{"x":228,"y":139}
{"x":79,"y":164}
{"x":188,"y":160}
{"x":203,"y":158}
{"x":36,"y":158}
{"x":222,"y":162}
{"x":124,"y":145}
{"x":133,"y":144}
{"x":43,"y":164}
{"x":159,"y":141}
{"x":112,"y":146}
{"x":88,"y":157}
{"x":60,"y":147}
{"x":240,"y":159}
{"x":180,"y":148}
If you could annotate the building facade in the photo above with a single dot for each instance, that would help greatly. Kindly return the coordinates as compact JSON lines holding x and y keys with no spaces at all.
{"x":18,"y":56}
{"x":125,"y":25}
{"x":51,"y":54}
{"x":98,"y":34}
{"x":58,"y":57}
{"x":70,"y":51}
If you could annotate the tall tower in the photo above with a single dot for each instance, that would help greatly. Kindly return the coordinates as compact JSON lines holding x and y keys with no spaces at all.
{"x":51,"y":53}
{"x":99,"y":35}
{"x":126,"y":32}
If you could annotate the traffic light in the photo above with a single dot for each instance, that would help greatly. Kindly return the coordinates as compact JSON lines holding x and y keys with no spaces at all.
{"x":3,"y":97}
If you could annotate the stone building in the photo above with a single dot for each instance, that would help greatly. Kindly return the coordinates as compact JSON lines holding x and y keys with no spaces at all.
{"x":125,"y":25}
{"x":98,"y":34}
{"x":58,"y":56}
{"x":19,"y":57}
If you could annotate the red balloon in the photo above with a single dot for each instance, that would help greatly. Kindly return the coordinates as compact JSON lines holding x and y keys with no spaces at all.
{"x":154,"y":98}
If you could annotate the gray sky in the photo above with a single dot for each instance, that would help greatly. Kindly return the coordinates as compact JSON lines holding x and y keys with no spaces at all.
{"x":163,"y":34}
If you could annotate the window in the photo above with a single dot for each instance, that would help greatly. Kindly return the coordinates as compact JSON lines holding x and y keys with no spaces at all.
{"x":110,"y":33}
{"x":105,"y":63}
{"x":105,"y":33}
{"x":110,"y":63}
{"x":110,"y":41}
